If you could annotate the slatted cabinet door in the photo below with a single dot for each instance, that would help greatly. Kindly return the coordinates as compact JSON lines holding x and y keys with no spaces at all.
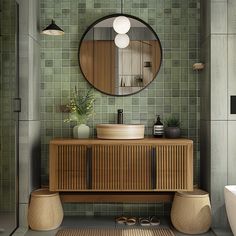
{"x":121,"y":167}
{"x":68,"y":167}
{"x":174,"y":166}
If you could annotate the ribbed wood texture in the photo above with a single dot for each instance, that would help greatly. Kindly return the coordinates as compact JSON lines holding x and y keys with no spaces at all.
{"x":173,"y":167}
{"x":117,"y":167}
{"x":116,"y":232}
{"x":103,"y":165}
{"x":70,"y":167}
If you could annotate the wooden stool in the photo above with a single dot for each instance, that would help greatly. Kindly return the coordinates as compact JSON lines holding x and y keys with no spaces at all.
{"x":45,"y":210}
{"x":191,"y":212}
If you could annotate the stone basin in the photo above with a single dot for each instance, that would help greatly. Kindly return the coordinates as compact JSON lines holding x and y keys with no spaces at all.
{"x":120,"y":131}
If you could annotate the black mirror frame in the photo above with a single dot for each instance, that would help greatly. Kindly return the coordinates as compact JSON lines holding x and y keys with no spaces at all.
{"x":116,"y":15}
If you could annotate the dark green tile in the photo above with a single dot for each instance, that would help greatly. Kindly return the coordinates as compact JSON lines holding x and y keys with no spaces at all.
{"x":179,"y":34}
{"x":48,"y":63}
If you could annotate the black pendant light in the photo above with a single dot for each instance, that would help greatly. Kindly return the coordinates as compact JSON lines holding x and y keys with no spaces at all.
{"x":53,"y":29}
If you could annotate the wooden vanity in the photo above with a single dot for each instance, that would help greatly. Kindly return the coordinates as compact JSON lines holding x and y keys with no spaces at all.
{"x":96,"y":167}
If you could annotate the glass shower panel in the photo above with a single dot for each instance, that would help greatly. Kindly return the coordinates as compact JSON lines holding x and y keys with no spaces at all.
{"x":8,"y":118}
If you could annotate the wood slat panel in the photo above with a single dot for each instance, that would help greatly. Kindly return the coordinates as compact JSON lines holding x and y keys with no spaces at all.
{"x":173,"y":168}
{"x":121,"y":167}
{"x":115,"y":232}
{"x":70,"y":168}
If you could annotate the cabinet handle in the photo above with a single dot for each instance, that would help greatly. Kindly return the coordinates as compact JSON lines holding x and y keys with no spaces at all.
{"x":153,"y":167}
{"x":89,"y":167}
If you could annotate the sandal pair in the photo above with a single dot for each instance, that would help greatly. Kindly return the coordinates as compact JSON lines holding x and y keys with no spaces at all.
{"x":126,"y":220}
{"x":149,"y":221}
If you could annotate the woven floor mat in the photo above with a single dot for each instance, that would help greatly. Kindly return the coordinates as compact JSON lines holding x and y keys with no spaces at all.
{"x":115,"y":232}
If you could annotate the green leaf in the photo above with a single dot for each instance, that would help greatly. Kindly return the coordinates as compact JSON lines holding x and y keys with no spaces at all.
{"x":81,"y":107}
{"x":172,"y":122}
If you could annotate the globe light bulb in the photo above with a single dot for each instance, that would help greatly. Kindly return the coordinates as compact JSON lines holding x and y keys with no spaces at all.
{"x":121,"y":24}
{"x":122,"y":40}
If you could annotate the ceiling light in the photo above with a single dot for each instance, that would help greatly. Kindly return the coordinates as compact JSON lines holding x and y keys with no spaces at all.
{"x":53,"y":29}
{"x":122,"y":40}
{"x":121,"y":24}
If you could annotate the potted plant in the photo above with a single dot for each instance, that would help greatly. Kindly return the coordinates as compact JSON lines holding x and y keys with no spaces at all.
{"x":172,"y":127}
{"x":80,"y":110}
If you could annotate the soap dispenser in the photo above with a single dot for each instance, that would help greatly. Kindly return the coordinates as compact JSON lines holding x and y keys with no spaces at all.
{"x":158,"y":128}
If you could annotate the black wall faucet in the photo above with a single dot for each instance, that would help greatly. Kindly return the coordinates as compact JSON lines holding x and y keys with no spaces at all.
{"x":120,"y":116}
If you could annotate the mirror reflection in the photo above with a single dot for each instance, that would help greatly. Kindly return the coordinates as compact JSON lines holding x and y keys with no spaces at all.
{"x":120,"y":63}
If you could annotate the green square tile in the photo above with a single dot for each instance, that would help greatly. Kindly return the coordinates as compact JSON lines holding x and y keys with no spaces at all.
{"x":179,"y":34}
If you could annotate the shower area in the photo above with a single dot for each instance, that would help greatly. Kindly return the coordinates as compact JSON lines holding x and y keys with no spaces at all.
{"x":9,"y":131}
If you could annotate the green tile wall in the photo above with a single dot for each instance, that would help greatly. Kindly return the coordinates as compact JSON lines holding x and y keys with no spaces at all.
{"x":7,"y":117}
{"x":115,"y":209}
{"x":175,"y":90}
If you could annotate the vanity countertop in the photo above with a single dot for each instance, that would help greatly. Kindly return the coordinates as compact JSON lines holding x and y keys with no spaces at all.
{"x":146,"y":140}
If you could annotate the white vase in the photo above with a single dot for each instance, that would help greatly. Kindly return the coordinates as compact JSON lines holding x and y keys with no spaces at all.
{"x":81,"y":131}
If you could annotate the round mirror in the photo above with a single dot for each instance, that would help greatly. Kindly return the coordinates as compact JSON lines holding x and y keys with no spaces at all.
{"x":120,"y":63}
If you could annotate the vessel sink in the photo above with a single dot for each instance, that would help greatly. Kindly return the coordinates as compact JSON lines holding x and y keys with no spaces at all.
{"x":120,"y":131}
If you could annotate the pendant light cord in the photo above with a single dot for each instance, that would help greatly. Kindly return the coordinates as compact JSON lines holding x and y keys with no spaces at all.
{"x":121,"y":6}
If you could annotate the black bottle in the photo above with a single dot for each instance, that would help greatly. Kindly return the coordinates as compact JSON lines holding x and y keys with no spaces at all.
{"x":120,"y":116}
{"x":158,"y":128}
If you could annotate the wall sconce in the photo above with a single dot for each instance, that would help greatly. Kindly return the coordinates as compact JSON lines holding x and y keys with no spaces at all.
{"x":198,"y":66}
{"x":53,"y":29}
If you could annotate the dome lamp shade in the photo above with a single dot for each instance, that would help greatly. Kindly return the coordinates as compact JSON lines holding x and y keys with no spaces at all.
{"x":53,"y":29}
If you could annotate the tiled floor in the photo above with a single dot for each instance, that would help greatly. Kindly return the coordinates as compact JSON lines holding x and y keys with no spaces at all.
{"x":101,"y":222}
{"x":220,"y":232}
{"x":6,"y":224}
